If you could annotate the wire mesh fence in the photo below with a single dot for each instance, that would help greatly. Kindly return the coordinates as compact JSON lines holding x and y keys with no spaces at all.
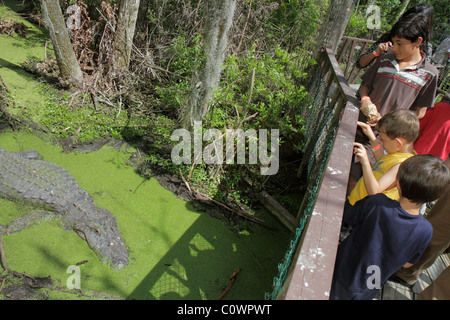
{"x":323,"y":120}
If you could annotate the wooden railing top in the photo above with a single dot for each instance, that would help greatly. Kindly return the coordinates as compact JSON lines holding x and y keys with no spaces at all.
{"x":311,"y":270}
{"x":348,"y":55}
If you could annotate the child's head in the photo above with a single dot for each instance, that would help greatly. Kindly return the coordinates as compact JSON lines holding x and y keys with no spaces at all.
{"x":398,"y":126}
{"x":410,"y":33}
{"x":424,"y":9}
{"x":423,"y":178}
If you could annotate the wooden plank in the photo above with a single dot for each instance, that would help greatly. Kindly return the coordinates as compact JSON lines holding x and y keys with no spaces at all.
{"x":395,"y":291}
{"x":429,"y":275}
{"x":352,"y":77}
{"x":349,"y":62}
{"x":313,"y":270}
{"x":423,"y":282}
{"x":435,"y":270}
{"x":339,"y":77}
{"x":277,"y":209}
{"x":341,"y":56}
{"x":358,"y":39}
{"x":446,"y":258}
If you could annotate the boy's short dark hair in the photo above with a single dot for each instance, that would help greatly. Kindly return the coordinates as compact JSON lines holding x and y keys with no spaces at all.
{"x":411,"y":27}
{"x":400,"y":123}
{"x":423,"y":178}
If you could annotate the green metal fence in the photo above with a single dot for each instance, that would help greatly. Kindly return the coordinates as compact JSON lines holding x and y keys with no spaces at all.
{"x":307,"y":268}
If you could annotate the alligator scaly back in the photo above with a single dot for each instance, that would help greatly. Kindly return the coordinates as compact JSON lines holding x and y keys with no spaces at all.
{"x":25,"y":178}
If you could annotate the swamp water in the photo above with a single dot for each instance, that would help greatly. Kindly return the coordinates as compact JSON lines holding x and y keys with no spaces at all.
{"x":175,"y":252}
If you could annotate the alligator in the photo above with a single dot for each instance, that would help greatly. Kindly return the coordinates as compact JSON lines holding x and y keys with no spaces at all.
{"x":25,"y":177}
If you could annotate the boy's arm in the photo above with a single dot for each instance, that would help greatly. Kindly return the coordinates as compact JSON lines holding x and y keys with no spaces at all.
{"x":368,"y":108}
{"x":373,"y":185}
{"x":364,"y":93}
{"x":385,"y":182}
{"x":407,"y":265}
{"x":374,"y":143}
{"x":374,"y":51}
{"x":426,"y":97}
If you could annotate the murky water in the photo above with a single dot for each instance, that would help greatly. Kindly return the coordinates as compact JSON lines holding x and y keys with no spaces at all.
{"x":175,"y":251}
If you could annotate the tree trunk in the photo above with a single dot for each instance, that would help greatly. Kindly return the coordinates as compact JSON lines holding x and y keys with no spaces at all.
{"x":141,"y":22}
{"x":334,"y":24}
{"x":218,"y":22}
{"x":123,"y":40}
{"x":69,"y":68}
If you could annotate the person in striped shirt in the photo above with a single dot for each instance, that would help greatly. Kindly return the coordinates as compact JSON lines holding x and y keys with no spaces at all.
{"x":402,"y":78}
{"x":399,"y":79}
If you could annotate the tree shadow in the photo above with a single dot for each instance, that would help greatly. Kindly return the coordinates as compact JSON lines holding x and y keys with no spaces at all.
{"x":199,"y":265}
{"x":16,"y":68}
{"x":192,"y":269}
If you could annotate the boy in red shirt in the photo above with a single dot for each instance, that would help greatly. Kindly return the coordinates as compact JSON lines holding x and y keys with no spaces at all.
{"x":434,"y":133}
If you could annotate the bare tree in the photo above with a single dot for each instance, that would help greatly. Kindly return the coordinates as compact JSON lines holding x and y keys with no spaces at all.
{"x":218,"y":22}
{"x":69,"y":68}
{"x":334,"y":24}
{"x":124,"y":33}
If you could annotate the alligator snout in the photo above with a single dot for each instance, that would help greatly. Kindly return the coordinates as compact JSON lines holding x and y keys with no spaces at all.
{"x":104,"y":238}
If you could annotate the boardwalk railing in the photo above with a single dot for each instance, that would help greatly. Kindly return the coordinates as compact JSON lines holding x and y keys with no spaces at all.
{"x":350,"y":50}
{"x":307,"y":268}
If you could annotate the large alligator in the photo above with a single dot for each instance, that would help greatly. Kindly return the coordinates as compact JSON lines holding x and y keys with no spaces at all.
{"x":25,"y":177}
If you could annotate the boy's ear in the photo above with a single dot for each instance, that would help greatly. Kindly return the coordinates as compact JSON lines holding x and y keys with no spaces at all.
{"x":398,"y":188}
{"x":399,"y":141}
{"x":419,"y":41}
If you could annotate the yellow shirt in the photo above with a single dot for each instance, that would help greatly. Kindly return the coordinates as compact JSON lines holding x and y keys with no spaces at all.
{"x":378,"y":169}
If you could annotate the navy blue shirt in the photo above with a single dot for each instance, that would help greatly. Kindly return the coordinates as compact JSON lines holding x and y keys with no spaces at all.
{"x":384,"y":235}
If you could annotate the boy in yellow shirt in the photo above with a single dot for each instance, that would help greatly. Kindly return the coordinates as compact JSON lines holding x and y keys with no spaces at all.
{"x":397,"y":131}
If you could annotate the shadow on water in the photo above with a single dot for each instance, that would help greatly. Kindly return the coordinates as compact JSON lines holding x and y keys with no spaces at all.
{"x":18,"y":69}
{"x":199,"y":265}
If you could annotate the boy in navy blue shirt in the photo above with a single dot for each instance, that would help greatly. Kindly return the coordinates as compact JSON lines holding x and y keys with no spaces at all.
{"x":388,"y":234}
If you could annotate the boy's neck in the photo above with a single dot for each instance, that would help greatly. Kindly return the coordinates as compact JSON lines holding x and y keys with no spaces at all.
{"x":411,"y":60}
{"x":406,"y":148}
{"x":409,"y":206}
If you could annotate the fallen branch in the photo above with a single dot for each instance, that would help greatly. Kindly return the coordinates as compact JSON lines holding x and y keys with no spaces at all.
{"x":3,"y":282}
{"x":185,"y":182}
{"x":233,"y":279}
{"x":3,"y":254}
{"x":203,"y":197}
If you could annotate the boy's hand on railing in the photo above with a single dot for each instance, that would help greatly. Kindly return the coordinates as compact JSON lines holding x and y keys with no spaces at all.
{"x":361,"y":153}
{"x":376,"y":147}
{"x":367,"y":130}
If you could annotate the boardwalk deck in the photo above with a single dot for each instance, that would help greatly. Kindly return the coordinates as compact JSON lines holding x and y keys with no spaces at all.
{"x":396,"y":291}
{"x":306,"y":271}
